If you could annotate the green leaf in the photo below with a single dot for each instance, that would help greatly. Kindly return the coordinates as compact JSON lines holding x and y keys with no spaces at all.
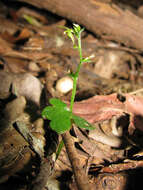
{"x":81,"y":30}
{"x":48,"y":112}
{"x":58,"y":103}
{"x":71,"y":36}
{"x":59,"y":114}
{"x":82,"y":123}
{"x":76,"y":29}
{"x":31,"y":20}
{"x":88,"y":59}
{"x":70,"y":33}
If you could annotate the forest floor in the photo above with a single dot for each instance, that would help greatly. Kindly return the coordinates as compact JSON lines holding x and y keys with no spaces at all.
{"x":34,"y":55}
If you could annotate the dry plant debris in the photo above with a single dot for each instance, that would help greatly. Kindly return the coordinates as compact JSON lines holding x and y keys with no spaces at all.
{"x":33,"y":58}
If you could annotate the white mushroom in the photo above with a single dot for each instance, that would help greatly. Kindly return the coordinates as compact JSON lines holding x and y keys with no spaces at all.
{"x":64,"y":85}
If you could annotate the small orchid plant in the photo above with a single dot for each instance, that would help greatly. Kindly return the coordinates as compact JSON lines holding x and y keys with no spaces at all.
{"x":60,"y":115}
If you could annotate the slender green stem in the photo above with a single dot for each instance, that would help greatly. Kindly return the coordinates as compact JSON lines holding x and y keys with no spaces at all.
{"x":80,"y":55}
{"x":75,"y":77}
{"x":60,"y":146}
{"x":73,"y":93}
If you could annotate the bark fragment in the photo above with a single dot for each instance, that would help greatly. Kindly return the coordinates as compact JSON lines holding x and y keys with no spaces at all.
{"x":102,"y":18}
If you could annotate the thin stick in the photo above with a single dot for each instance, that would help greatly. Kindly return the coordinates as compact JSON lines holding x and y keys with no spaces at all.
{"x":79,"y":173}
{"x":136,"y":91}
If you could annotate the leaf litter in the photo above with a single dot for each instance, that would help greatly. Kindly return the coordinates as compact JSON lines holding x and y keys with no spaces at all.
{"x":103,"y":93}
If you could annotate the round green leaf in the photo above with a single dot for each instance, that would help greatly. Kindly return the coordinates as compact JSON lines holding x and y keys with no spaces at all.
{"x":82,"y":123}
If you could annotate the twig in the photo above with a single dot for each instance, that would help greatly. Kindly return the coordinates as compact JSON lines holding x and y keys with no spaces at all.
{"x":80,"y":176}
{"x":115,"y":168}
{"x":136,"y":91}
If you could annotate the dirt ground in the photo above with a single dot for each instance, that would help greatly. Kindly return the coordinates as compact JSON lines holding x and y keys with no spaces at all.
{"x":34,"y":56}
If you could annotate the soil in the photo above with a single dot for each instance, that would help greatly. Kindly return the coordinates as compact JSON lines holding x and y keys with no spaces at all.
{"x":35,"y":55}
